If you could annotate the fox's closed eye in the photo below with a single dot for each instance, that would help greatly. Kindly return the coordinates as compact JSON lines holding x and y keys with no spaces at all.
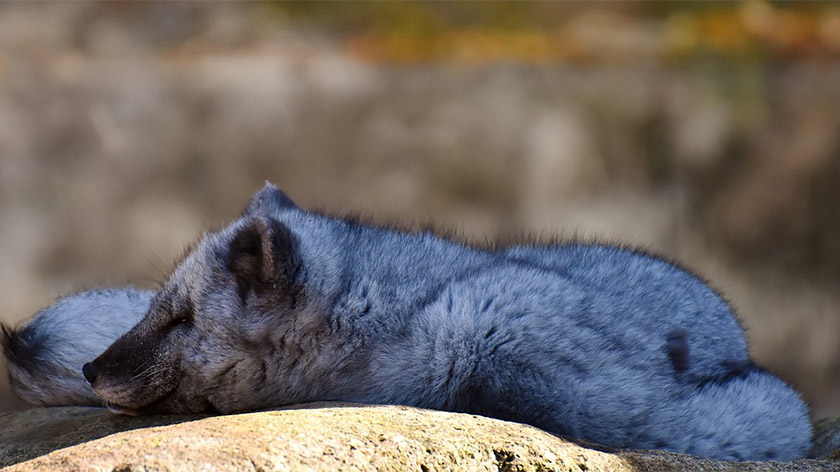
{"x":183,"y":315}
{"x":178,"y":320}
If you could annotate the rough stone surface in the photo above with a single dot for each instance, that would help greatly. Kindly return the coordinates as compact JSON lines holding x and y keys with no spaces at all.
{"x":32,"y":433}
{"x":827,"y":438}
{"x":317,"y":437}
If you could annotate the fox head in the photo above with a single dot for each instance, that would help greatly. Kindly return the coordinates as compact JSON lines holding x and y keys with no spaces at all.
{"x":224,"y":326}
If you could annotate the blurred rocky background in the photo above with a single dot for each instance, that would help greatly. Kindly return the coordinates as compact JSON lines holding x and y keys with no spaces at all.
{"x":706,"y":132}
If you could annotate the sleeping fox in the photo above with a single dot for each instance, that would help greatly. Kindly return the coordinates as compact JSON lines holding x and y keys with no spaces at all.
{"x":587,"y":341}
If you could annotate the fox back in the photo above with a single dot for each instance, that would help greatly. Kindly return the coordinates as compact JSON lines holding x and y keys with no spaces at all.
{"x":588,"y":341}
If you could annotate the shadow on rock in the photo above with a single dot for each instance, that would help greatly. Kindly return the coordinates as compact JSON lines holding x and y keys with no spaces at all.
{"x":28,"y":434}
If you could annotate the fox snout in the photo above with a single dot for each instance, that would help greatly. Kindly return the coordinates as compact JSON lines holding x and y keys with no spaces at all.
{"x":112,"y":365}
{"x":134,"y":371}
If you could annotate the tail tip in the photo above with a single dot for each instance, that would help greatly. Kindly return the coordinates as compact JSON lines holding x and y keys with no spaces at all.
{"x":19,"y":351}
{"x":8,"y":341}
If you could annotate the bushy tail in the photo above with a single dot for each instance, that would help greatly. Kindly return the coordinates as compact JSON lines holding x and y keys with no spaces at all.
{"x":753,"y":416}
{"x":45,"y":356}
{"x":38,"y":378}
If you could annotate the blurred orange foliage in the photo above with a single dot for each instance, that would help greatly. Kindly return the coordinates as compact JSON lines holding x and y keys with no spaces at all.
{"x":540,"y":32}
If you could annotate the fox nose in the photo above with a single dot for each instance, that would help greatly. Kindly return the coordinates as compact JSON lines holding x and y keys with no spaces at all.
{"x":89,"y":372}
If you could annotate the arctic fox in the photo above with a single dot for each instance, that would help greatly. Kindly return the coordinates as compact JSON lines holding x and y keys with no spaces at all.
{"x":44,"y":357}
{"x":587,"y":341}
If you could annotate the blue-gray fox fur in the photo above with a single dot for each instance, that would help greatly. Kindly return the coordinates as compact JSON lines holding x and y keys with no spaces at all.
{"x":44,"y":356}
{"x":587,"y":341}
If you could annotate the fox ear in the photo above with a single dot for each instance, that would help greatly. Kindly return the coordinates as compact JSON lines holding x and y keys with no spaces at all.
{"x":263,"y":255}
{"x":268,"y":200}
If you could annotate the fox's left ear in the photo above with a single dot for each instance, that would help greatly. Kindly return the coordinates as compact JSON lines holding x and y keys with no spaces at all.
{"x":263,"y":255}
{"x":268,"y":200}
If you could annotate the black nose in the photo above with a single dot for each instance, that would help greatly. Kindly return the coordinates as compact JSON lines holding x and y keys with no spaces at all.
{"x":89,"y":372}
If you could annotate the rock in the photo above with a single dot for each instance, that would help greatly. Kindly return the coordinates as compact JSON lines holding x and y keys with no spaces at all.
{"x":318,"y":437}
{"x":32,"y":433}
{"x":826,"y":438}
